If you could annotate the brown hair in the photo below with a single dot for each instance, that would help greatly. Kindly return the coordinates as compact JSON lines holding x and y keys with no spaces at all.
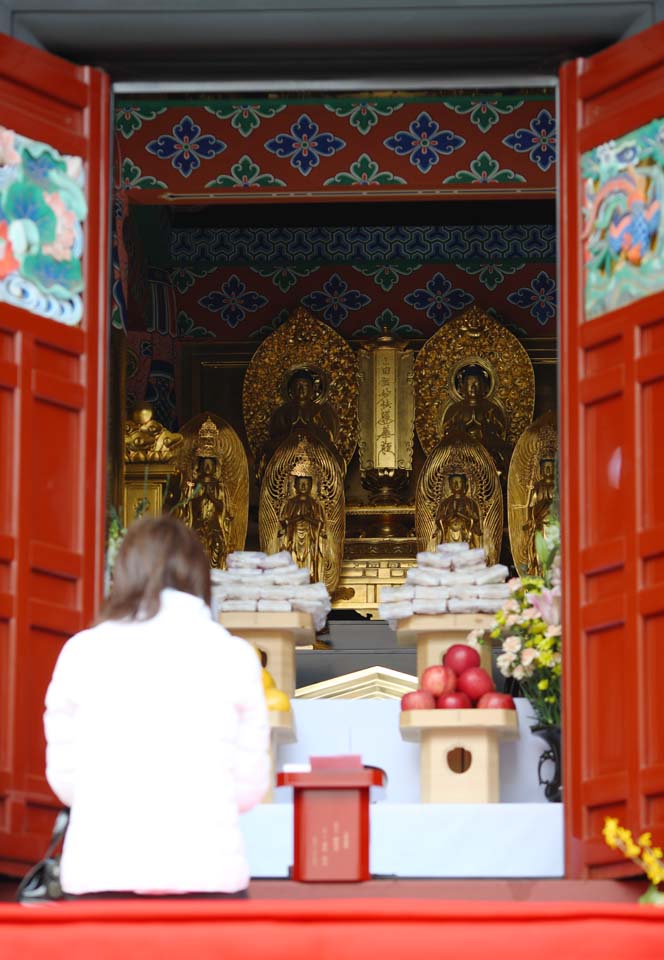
{"x":156,"y":552}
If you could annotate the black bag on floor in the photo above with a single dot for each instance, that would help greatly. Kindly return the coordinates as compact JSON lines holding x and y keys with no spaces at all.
{"x":42,"y":883}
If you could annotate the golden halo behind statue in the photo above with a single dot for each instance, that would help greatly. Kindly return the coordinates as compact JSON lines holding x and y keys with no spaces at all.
{"x":302,"y":343}
{"x":473,"y":339}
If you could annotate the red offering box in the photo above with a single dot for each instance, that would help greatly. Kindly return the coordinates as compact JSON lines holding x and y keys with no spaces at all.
{"x":331,"y":822}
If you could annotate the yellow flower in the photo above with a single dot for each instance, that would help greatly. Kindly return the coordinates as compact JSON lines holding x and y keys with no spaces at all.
{"x":610,"y":831}
{"x":645,"y":840}
{"x":543,"y":685}
{"x":545,"y":658}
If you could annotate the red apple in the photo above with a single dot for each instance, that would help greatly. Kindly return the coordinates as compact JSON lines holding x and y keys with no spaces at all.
{"x":454,"y":701}
{"x":475,"y":682}
{"x":496,"y":701}
{"x":460,"y":657}
{"x":438,"y":680}
{"x":418,"y":700}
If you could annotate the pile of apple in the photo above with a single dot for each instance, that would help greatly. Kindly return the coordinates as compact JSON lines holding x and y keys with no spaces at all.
{"x":458,"y":684}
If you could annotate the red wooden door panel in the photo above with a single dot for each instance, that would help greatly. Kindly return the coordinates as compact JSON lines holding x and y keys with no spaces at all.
{"x":612,"y":453}
{"x":52,"y":429}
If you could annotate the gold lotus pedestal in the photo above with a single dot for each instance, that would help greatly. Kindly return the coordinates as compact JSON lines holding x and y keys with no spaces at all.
{"x":282,"y":730}
{"x":459,"y":752}
{"x":432,"y":634}
{"x":278,"y":634}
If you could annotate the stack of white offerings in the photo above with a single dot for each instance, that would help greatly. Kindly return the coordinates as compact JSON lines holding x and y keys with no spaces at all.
{"x":256,"y":582}
{"x":454,"y":579}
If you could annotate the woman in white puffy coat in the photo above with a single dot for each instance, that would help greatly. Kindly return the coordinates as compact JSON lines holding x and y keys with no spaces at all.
{"x":157,"y":730}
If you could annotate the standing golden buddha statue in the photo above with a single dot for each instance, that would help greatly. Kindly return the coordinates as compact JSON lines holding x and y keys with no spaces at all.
{"x":302,"y":428}
{"x":531,"y":491}
{"x":458,"y":517}
{"x":459,"y":499}
{"x":210,"y":489}
{"x":302,"y":522}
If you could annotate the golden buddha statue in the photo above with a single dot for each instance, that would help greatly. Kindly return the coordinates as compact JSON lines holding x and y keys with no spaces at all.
{"x":204,"y":504}
{"x":146,"y":440}
{"x":474,"y":381}
{"x":304,"y":407}
{"x":302,"y":428}
{"x":540,"y":499}
{"x":302,"y":523}
{"x":458,"y":516}
{"x":459,"y":498}
{"x":210,"y":489}
{"x":531,"y":490}
{"x":476,"y":416}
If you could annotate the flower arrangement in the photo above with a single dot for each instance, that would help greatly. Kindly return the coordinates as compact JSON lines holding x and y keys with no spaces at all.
{"x":642,"y":852}
{"x":529,"y":630}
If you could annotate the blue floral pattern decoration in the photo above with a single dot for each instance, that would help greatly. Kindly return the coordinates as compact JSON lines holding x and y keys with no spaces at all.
{"x":335,"y":300}
{"x":439,"y":299}
{"x":233,"y":302}
{"x":425,"y":142}
{"x":387,"y":322}
{"x":186,"y":147}
{"x":539,"y":140}
{"x":539,"y":298}
{"x":305,"y":145}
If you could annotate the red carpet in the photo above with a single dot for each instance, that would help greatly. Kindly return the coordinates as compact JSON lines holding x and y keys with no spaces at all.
{"x":332,"y":930}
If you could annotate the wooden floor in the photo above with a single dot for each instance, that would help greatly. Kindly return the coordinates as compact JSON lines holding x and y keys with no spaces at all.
{"x":598,"y":891}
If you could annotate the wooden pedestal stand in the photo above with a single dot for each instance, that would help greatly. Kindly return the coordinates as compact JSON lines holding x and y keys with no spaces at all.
{"x":277,"y":634}
{"x":475,"y":732}
{"x":282,"y":730}
{"x":432,"y":634}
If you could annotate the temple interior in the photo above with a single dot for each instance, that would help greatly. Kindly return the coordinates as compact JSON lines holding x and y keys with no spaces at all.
{"x":200,"y":286}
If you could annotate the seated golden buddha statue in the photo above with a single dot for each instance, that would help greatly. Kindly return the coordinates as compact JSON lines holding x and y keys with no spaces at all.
{"x":458,"y":518}
{"x":476,"y":416}
{"x":302,"y":523}
{"x":203,"y":503}
{"x":302,"y":408}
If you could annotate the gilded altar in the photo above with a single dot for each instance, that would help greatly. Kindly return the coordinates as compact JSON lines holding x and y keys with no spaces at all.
{"x":357,"y":453}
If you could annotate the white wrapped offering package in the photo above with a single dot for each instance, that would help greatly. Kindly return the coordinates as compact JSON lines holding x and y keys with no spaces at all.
{"x":423,"y":578}
{"x":245,"y":558}
{"x":470,"y":558}
{"x":276,"y":592}
{"x":495,"y":574}
{"x":469,"y":605}
{"x":430,"y":607}
{"x":228,"y":606}
{"x":290,"y":575}
{"x":274,"y":606}
{"x":242,"y":591}
{"x":452,"y":548}
{"x":405,"y":592}
{"x":275,"y":560}
{"x":500,"y":591}
{"x":431,"y":593}
{"x":396,"y":611}
{"x":436,"y":560}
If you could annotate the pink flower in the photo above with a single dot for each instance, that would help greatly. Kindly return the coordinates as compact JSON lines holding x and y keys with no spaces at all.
{"x":514,"y":584}
{"x":527,"y":656}
{"x":510,"y":606}
{"x":512,"y":644}
{"x":554,"y":630}
{"x":511,"y":619}
{"x":547,"y":604}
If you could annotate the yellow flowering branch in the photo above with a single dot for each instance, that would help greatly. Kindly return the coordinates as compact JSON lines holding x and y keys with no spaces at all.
{"x":642,"y":852}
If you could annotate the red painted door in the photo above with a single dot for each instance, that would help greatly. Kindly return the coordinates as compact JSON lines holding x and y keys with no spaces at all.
{"x":612,"y":456}
{"x":54,"y":147}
